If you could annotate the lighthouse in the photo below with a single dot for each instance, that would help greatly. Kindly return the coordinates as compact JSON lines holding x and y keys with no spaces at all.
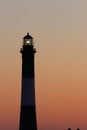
{"x":28,"y":107}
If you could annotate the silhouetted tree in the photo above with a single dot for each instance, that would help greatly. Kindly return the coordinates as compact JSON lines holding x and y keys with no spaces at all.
{"x":69,"y":129}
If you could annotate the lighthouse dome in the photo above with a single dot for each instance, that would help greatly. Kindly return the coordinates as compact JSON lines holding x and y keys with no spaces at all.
{"x":28,"y":36}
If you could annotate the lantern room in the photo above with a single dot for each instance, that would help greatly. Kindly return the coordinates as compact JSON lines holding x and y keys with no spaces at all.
{"x":28,"y":40}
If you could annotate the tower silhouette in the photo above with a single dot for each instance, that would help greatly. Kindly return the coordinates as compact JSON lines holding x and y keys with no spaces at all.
{"x":28,"y":109}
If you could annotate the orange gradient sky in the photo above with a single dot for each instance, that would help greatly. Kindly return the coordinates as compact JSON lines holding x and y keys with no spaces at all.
{"x":59,"y":28}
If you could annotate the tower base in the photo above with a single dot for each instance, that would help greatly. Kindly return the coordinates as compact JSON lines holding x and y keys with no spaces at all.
{"x":28,"y":119}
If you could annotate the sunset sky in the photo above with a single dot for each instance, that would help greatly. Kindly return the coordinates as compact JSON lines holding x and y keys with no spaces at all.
{"x":59,"y":28}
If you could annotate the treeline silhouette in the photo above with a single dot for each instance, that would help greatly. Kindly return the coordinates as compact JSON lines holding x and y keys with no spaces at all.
{"x":71,"y":129}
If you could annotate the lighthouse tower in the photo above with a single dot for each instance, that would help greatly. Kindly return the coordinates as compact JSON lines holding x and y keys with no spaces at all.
{"x":28,"y":109}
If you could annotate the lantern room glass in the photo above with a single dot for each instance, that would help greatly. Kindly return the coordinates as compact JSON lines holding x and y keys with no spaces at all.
{"x":28,"y":42}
